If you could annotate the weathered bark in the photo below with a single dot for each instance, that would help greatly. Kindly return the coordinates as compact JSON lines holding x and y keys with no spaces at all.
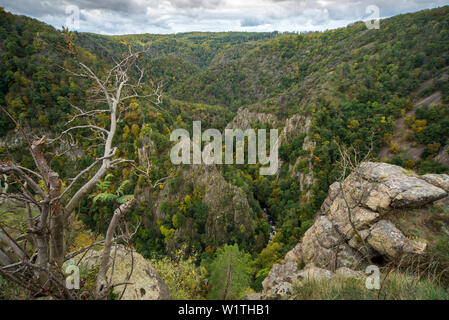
{"x":4,"y":237}
{"x":102,"y":282}
{"x":42,"y":238}
{"x":85,"y":189}
{"x":57,"y":245}
{"x":4,"y":259}
{"x":108,"y":152}
{"x":56,"y":214}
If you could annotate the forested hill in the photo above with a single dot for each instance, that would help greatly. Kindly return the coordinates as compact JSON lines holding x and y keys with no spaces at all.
{"x":347,"y":86}
{"x":287,"y":72}
{"x":290,"y":70}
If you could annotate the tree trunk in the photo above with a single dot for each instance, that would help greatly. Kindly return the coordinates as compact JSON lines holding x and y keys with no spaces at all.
{"x":228,"y":278}
{"x":57,"y":245}
{"x":102,"y":281}
{"x":52,"y":220}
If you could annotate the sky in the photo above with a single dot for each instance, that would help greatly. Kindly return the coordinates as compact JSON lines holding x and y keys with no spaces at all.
{"x":173,"y":16}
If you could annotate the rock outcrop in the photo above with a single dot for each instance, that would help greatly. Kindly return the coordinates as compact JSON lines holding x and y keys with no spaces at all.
{"x":443,"y":156}
{"x":294,"y":126}
{"x":146,"y":284}
{"x":341,"y":241}
{"x":146,"y":147}
{"x":228,"y":207}
{"x":245,"y":119}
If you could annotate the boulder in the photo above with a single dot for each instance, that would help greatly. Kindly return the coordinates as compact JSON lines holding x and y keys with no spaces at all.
{"x":254,"y":296}
{"x":321,"y":243}
{"x":311,"y":271}
{"x":403,"y":188}
{"x":146,"y":282}
{"x":443,"y":203}
{"x":279,"y":282}
{"x":286,"y":272}
{"x":439,"y":180}
{"x":386,"y":239}
{"x":347,"y":273}
{"x":294,"y":255}
{"x":373,"y":192}
{"x":280,"y":290}
{"x":339,"y":216}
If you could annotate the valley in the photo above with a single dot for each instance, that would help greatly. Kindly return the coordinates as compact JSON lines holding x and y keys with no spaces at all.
{"x":377,"y":93}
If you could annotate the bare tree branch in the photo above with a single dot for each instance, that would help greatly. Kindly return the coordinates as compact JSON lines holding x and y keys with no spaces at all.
{"x":102,"y":287}
{"x":41,"y":273}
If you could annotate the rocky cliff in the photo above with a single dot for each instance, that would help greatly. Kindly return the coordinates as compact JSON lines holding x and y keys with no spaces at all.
{"x":291,"y":127}
{"x":245,"y":119}
{"x":302,"y":169}
{"x":365,"y":220}
{"x":443,"y":156}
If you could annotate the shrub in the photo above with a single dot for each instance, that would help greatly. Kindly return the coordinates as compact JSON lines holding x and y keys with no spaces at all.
{"x":183,"y":277}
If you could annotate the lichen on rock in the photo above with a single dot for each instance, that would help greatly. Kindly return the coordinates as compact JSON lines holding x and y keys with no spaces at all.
{"x":144,"y":282}
{"x":377,"y":191}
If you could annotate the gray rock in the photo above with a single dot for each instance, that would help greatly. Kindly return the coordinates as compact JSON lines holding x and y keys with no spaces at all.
{"x":254,"y":296}
{"x":373,"y":192}
{"x":403,"y":188}
{"x":146,"y":282}
{"x":281,"y":290}
{"x":294,"y":255}
{"x":386,"y":239}
{"x":347,"y":273}
{"x":357,"y":243}
{"x":443,"y":156}
{"x":439,"y":180}
{"x":321,"y":243}
{"x":245,"y":119}
{"x":339,"y":216}
{"x":444,"y":203}
{"x":311,"y":271}
{"x":287,"y":272}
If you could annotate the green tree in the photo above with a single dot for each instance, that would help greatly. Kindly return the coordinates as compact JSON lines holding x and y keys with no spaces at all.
{"x":230,"y":273}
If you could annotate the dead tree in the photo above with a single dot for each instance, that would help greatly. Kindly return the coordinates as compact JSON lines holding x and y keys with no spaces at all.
{"x":40,"y":272}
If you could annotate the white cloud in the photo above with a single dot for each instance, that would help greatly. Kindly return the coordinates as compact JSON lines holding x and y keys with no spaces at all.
{"x":169,"y":16}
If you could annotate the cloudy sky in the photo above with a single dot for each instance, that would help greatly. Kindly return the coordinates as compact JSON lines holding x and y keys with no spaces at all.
{"x":171,"y":16}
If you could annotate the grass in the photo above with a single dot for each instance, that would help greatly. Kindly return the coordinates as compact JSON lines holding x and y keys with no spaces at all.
{"x":429,"y":223}
{"x":11,"y":291}
{"x":397,"y":286}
